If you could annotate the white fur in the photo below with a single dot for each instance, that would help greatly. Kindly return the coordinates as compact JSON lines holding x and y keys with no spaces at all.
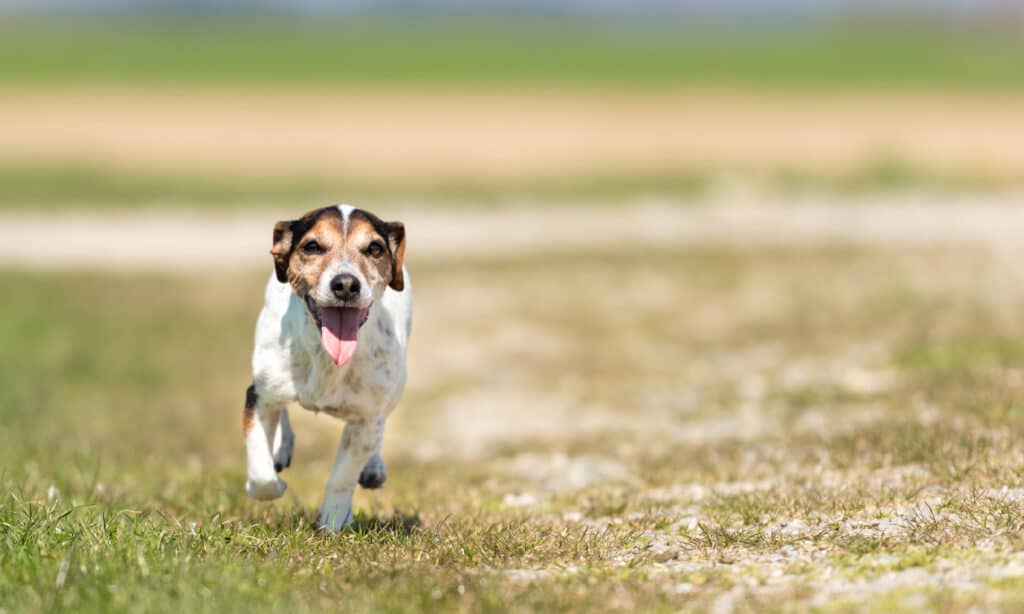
{"x":289,"y":364}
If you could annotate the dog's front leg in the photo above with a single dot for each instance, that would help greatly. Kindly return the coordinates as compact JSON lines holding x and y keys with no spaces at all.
{"x":358,"y":443}
{"x":260,"y":422}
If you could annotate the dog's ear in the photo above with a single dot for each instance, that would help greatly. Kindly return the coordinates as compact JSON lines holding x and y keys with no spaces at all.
{"x":282,"y":249}
{"x":396,"y":241}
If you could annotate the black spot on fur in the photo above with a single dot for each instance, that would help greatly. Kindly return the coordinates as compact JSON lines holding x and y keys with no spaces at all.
{"x":379,"y":226}
{"x":384,"y":328}
{"x":250,"y":397}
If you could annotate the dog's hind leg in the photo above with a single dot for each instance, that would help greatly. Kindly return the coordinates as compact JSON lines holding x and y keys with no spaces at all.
{"x":358,"y":443}
{"x":284,"y":443}
{"x":260,"y":421}
{"x":374,"y":473}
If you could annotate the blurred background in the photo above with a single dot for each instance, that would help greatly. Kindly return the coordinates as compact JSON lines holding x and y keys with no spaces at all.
{"x":135,"y":104}
{"x":666,"y":254}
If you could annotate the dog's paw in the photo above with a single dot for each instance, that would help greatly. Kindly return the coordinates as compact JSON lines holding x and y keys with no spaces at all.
{"x":334,"y":518}
{"x":373,"y":474}
{"x":265,"y":491}
{"x":282,"y":458}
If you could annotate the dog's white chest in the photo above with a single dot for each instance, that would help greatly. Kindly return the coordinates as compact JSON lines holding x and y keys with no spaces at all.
{"x":290,"y":365}
{"x":356,"y":393}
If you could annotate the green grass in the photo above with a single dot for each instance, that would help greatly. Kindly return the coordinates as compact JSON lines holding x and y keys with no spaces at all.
{"x":72,"y":185}
{"x":78,"y":185}
{"x":97,"y":557}
{"x":493,"y":53}
{"x":747,"y":464}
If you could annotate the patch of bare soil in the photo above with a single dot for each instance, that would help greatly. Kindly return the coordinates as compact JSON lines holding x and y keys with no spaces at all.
{"x":189,"y":242}
{"x":379,"y":135}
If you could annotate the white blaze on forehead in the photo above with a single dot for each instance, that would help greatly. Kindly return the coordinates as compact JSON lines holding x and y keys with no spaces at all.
{"x":344,"y":265}
{"x":346,"y":215}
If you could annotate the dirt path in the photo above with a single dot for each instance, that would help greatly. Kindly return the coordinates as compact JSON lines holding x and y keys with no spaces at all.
{"x":177,"y":242}
{"x":388,"y":136}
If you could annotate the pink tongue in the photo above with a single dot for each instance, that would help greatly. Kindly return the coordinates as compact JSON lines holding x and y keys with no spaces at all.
{"x":339,"y":331}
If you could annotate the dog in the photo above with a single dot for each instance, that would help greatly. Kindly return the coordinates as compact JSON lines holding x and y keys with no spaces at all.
{"x":332,"y":336}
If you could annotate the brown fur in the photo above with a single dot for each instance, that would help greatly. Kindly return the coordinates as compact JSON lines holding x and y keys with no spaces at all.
{"x":249,"y":413}
{"x":326,"y":227}
{"x":304,"y":270}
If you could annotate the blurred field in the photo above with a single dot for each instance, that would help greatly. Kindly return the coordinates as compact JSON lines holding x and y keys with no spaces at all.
{"x":130,"y":112}
{"x":103,"y":148}
{"x":635,"y":428}
{"x":501,"y":52}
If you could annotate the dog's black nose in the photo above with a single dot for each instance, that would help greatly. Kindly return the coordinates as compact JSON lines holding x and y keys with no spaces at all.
{"x":345,"y":286}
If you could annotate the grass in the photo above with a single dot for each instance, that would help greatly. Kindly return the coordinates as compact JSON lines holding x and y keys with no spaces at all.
{"x":95,"y":558}
{"x":490,"y":53}
{"x":77,"y":185}
{"x":766,"y":429}
{"x":74,"y":185}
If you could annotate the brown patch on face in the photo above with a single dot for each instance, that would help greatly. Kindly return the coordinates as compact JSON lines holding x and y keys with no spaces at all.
{"x":305,"y":247}
{"x":249,"y":413}
{"x":366,"y":229}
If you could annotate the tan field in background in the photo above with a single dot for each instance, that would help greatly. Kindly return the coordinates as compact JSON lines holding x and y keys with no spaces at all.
{"x":391,"y":135}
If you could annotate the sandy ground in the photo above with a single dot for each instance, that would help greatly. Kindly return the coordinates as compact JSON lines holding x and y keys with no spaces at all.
{"x":420,"y":136}
{"x":184,"y":242}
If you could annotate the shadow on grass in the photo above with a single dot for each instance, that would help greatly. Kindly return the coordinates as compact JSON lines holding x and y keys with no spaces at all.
{"x":364,"y":524}
{"x":398,"y":523}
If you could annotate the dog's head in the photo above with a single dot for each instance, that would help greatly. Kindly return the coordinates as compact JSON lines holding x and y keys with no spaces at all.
{"x":339,"y":260}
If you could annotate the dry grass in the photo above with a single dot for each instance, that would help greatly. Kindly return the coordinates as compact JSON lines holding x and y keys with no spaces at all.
{"x":743,"y":429}
{"x":377,"y":137}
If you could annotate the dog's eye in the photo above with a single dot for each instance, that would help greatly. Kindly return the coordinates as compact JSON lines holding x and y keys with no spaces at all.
{"x":312,"y":247}
{"x":375,"y":249}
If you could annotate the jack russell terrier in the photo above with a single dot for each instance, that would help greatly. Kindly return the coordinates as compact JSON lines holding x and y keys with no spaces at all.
{"x":332,"y":336}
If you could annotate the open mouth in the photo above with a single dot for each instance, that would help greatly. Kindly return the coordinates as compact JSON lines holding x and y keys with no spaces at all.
{"x":339,"y":329}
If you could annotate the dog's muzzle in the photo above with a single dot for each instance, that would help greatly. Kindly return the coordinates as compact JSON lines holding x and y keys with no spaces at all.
{"x":339,"y":329}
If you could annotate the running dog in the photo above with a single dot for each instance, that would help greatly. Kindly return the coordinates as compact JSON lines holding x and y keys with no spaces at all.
{"x":332,"y":336}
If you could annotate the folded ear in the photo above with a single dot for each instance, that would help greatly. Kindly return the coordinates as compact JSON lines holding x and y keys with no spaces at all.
{"x":396,"y":240}
{"x":282,"y":249}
